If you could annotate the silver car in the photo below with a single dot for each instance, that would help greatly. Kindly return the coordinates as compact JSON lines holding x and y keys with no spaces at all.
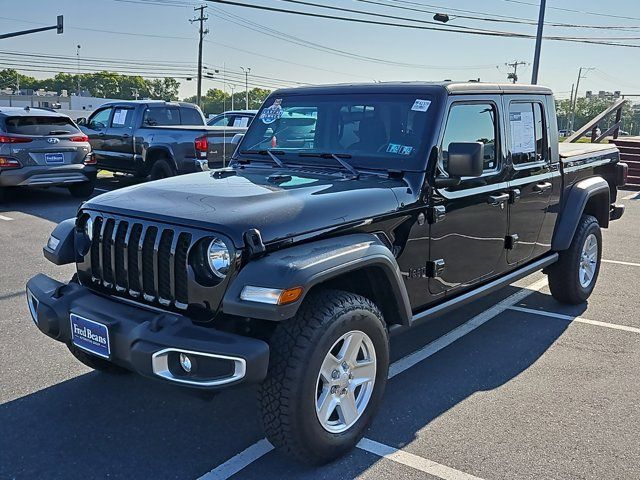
{"x":42,"y":148}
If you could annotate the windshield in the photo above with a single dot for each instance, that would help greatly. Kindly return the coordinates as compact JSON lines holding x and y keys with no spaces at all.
{"x":374,"y":130}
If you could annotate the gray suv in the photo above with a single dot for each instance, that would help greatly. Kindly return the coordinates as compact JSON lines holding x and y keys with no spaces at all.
{"x":43,"y":148}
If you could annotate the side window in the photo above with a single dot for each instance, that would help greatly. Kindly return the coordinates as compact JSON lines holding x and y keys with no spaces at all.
{"x":473,"y":122}
{"x":221,"y":121}
{"x":100,"y":119}
{"x":528,"y":133}
{"x":190,"y":116}
{"x":163,"y":116}
{"x":241,"y":121}
{"x":122,"y":117}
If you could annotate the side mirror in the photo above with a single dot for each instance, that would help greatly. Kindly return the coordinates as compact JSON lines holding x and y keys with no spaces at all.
{"x":81,"y":121}
{"x":465,"y":159}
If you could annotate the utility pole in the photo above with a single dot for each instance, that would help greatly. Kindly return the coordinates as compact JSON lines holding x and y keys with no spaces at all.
{"x":201,"y":18}
{"x":246,"y":86}
{"x":536,"y":56}
{"x":514,"y":76}
{"x":575,"y":99}
{"x":567,"y":123}
{"x":78,"y":71}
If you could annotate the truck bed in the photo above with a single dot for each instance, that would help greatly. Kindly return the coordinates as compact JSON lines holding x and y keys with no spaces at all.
{"x":570,"y":151}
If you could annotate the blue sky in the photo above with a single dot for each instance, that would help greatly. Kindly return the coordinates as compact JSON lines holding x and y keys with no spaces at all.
{"x":156,"y":39}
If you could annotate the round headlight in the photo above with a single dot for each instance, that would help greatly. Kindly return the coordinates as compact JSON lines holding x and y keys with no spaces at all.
{"x":88,"y":228}
{"x":219,"y":258}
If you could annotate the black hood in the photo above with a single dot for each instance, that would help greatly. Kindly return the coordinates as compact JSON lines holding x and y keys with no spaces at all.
{"x":279,"y":203}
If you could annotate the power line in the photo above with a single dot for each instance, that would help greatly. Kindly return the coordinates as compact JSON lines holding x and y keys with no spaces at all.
{"x":590,"y":40}
{"x":583,"y":12}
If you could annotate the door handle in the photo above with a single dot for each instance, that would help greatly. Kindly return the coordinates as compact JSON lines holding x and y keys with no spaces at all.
{"x":497,"y":200}
{"x":542,"y":187}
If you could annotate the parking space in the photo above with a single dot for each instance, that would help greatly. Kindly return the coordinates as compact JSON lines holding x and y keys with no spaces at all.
{"x":507,"y":387}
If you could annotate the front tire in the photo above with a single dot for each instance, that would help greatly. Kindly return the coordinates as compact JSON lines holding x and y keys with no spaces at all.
{"x":574,"y":276}
{"x":327,"y":374}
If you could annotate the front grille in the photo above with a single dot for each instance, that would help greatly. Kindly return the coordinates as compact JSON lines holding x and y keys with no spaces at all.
{"x":143,"y":261}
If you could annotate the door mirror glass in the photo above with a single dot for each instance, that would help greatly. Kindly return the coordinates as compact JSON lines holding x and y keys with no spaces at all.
{"x":465,"y":159}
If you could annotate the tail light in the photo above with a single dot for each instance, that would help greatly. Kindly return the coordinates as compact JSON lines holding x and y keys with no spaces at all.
{"x":202,"y":146}
{"x":79,"y":138}
{"x":90,"y":159}
{"x":12,"y":139}
{"x":8,"y":162}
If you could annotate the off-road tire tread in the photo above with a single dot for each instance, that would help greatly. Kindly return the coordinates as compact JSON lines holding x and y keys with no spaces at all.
{"x":291,"y":340}
{"x":563,"y":281}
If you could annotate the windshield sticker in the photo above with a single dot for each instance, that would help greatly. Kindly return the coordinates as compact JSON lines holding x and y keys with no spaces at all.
{"x":406,"y":150}
{"x":272,"y":113}
{"x":399,"y":149}
{"x":421,"y":105}
{"x":394,"y":148}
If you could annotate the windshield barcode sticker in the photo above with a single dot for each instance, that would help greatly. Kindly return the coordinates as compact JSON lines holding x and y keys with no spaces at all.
{"x":421,"y":105}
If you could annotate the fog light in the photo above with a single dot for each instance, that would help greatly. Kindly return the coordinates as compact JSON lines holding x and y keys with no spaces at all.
{"x":185,"y":362}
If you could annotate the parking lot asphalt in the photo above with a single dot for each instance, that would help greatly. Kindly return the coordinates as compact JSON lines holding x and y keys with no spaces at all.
{"x":512,"y":386}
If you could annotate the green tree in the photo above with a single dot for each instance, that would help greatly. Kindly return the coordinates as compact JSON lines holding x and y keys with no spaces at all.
{"x":10,"y":76}
{"x":216,"y":101}
{"x":164,"y":89}
{"x":588,"y":108}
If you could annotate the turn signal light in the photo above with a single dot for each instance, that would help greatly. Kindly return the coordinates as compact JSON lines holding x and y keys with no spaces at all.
{"x":7,"y":162}
{"x":290,"y":295}
{"x":12,"y":139}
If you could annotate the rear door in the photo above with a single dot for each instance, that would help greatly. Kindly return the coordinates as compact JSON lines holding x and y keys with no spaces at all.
{"x":118,"y":139}
{"x":469,"y":221}
{"x":532,"y":173}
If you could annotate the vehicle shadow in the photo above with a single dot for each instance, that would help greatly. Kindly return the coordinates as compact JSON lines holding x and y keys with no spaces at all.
{"x":123,"y":426}
{"x":55,"y":203}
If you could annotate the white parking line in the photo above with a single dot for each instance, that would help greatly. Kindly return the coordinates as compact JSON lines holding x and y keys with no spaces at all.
{"x":410,"y":360}
{"x":2,"y":217}
{"x":618,"y":262}
{"x":414,"y":461}
{"x":632,"y":196}
{"x":241,"y":460}
{"x":569,"y":318}
{"x":262,"y":447}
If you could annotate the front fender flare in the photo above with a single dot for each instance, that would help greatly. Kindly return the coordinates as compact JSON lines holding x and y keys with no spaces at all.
{"x":574,"y":206}
{"x":310,"y":264}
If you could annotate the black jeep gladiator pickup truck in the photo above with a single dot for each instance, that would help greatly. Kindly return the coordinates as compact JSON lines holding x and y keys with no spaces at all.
{"x":157,"y":139}
{"x":348,"y":212}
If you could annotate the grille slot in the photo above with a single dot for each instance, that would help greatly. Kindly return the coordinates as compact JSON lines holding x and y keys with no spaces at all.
{"x":137,"y":259}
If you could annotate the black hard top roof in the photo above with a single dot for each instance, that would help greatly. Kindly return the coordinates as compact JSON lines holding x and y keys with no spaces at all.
{"x":155,"y":103}
{"x":408,"y":87}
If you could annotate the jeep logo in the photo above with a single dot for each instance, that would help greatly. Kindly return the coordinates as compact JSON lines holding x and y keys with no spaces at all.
{"x":53,"y":140}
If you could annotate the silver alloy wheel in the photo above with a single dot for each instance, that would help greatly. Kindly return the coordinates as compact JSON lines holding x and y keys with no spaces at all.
{"x":345,"y":382}
{"x":588,"y":261}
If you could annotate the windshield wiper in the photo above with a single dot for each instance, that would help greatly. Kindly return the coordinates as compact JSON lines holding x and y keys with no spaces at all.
{"x":338,"y":158}
{"x":275,"y":159}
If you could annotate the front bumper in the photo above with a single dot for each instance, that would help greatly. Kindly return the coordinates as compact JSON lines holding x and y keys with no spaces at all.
{"x":43,"y":176}
{"x":149,"y":342}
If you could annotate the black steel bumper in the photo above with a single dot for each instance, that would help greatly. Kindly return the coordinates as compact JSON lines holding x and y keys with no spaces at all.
{"x":150,"y":342}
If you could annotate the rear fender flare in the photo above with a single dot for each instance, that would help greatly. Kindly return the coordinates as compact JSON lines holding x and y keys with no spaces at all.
{"x":154,"y":151}
{"x":577,"y":199}
{"x":310,"y":264}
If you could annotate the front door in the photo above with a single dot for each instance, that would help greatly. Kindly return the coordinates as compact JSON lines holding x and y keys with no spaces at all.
{"x":96,"y":130}
{"x":531,"y":180}
{"x":469,"y":221}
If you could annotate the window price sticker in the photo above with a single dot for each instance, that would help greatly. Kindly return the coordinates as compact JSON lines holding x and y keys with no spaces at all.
{"x":421,"y":105}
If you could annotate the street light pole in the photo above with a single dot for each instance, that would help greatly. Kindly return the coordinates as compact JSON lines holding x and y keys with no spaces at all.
{"x":536,"y":57}
{"x":246,"y":86}
{"x":78,"y":72}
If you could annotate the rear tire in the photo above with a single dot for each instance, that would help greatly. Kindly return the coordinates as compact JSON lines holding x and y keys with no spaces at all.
{"x":304,"y":386}
{"x":82,"y":190}
{"x":160,"y":169}
{"x":573,"y":277}
{"x":3,"y":194}
{"x":94,"y":362}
